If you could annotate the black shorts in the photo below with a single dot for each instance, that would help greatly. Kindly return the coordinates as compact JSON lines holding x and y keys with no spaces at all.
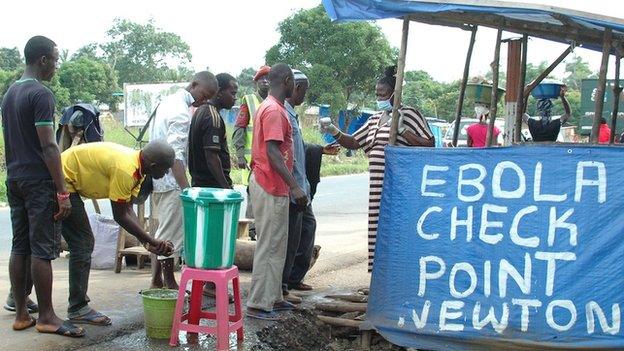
{"x":33,"y":205}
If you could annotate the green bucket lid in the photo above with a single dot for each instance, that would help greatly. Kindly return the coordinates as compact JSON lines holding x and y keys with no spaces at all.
{"x":211,"y":195}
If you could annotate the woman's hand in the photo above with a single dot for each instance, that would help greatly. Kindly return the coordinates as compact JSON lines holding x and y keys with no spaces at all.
{"x":331,"y":149}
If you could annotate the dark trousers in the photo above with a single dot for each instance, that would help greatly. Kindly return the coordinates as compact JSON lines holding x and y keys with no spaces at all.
{"x":79,"y":237}
{"x":306,"y":247}
{"x":294,"y":235}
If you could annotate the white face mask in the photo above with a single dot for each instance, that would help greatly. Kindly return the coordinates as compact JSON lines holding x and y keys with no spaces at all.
{"x":481,"y":110}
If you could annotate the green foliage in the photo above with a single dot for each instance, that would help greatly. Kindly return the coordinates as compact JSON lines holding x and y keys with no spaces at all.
{"x":89,"y":51}
{"x":10,"y":59}
{"x":342,"y":60}
{"x":7,"y":78}
{"x":245,"y":81}
{"x":61,"y":93}
{"x":89,"y":80}
{"x":576,"y":70}
{"x":143,"y":52}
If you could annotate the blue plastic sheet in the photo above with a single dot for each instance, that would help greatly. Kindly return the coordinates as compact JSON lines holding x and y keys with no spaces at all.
{"x":501,"y":249}
{"x":348,"y":10}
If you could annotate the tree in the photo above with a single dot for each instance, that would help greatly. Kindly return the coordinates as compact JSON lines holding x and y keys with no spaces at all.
{"x":89,"y":51}
{"x":61,"y":94}
{"x":10,"y":59}
{"x":576,"y":70}
{"x":7,"y":78}
{"x":342,"y":60}
{"x":245,"y":81}
{"x":422,"y":91}
{"x":89,"y":80}
{"x":143,"y":52}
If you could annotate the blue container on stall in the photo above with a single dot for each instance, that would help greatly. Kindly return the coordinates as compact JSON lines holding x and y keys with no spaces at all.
{"x":547,"y":90}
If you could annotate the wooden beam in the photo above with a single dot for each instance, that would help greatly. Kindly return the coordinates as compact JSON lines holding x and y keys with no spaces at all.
{"x":462,"y":89}
{"x":340,"y":322}
{"x":617,"y":90}
{"x":522,"y":81}
{"x":343,"y":307}
{"x":547,"y":71}
{"x":429,"y":19}
{"x":398,"y":88}
{"x":602,"y":82}
{"x":494,"y":102}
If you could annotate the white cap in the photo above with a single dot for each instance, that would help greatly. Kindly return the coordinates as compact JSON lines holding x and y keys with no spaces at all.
{"x":299,"y":75}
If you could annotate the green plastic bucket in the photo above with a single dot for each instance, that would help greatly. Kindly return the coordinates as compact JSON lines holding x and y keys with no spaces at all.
{"x":210,"y":226}
{"x":159,"y":308}
{"x":482,"y":93}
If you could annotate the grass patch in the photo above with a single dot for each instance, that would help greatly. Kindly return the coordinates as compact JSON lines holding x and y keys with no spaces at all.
{"x":331,"y":165}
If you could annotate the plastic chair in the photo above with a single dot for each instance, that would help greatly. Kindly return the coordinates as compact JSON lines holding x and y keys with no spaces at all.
{"x":225,"y":323}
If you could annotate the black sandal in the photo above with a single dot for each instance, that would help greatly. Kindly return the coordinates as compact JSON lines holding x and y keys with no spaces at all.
{"x":66,"y":329}
{"x":91,"y":318}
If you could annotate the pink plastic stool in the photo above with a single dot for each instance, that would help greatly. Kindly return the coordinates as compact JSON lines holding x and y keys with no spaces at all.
{"x":225,"y":323}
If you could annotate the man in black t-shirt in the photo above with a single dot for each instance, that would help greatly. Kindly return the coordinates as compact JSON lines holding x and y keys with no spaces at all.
{"x":35,"y":187}
{"x":209,"y":157}
{"x":547,"y":129}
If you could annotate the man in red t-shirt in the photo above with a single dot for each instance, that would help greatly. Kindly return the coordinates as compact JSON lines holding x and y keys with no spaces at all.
{"x":604,"y":133}
{"x":269,"y":187}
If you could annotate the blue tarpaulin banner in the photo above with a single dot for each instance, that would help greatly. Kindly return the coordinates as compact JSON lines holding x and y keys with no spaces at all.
{"x":501,"y":249}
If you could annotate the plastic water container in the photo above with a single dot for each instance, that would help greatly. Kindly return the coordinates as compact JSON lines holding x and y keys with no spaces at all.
{"x":547,"y":90}
{"x":210,"y":226}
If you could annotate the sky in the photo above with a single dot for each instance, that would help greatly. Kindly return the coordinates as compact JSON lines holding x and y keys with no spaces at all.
{"x":227,"y":36}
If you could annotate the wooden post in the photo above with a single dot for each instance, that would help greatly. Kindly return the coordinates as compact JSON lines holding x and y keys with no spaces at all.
{"x":514,"y":70}
{"x":522,"y":81}
{"x":546,"y":72}
{"x":462,"y":89}
{"x":617,"y":90}
{"x":398,"y":88}
{"x":494,"y":102}
{"x":602,"y":82}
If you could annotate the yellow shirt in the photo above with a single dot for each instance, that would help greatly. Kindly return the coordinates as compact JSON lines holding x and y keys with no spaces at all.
{"x":103,"y":170}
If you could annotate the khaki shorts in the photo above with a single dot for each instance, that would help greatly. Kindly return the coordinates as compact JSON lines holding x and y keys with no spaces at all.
{"x":168,"y":210}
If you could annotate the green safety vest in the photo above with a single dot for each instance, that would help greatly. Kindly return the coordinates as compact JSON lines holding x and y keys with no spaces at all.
{"x":253,"y":102}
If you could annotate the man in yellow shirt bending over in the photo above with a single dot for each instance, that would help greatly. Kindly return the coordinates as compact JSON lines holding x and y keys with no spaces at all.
{"x":100,"y":171}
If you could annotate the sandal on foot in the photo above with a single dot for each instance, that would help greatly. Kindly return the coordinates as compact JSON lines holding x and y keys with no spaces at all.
{"x":301,"y":287}
{"x":94,"y":318}
{"x":31,"y":306}
{"x":260,"y":314}
{"x":66,"y":329}
{"x":284,"y":306}
{"x":24,"y":326}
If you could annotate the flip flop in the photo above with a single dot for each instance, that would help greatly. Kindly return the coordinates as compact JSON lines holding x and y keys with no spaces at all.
{"x":91,"y":318}
{"x":30,"y":324}
{"x":31,"y":306}
{"x":284,"y":306}
{"x":66,"y":329}
{"x":263,"y":315}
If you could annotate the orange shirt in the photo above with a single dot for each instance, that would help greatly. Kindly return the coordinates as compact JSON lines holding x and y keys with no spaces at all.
{"x":271,"y":124}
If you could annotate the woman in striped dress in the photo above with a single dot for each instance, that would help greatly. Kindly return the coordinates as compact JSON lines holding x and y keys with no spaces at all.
{"x":374,"y":136}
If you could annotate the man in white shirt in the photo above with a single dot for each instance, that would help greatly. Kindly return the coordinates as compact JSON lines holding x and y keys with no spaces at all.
{"x":171,"y":124}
